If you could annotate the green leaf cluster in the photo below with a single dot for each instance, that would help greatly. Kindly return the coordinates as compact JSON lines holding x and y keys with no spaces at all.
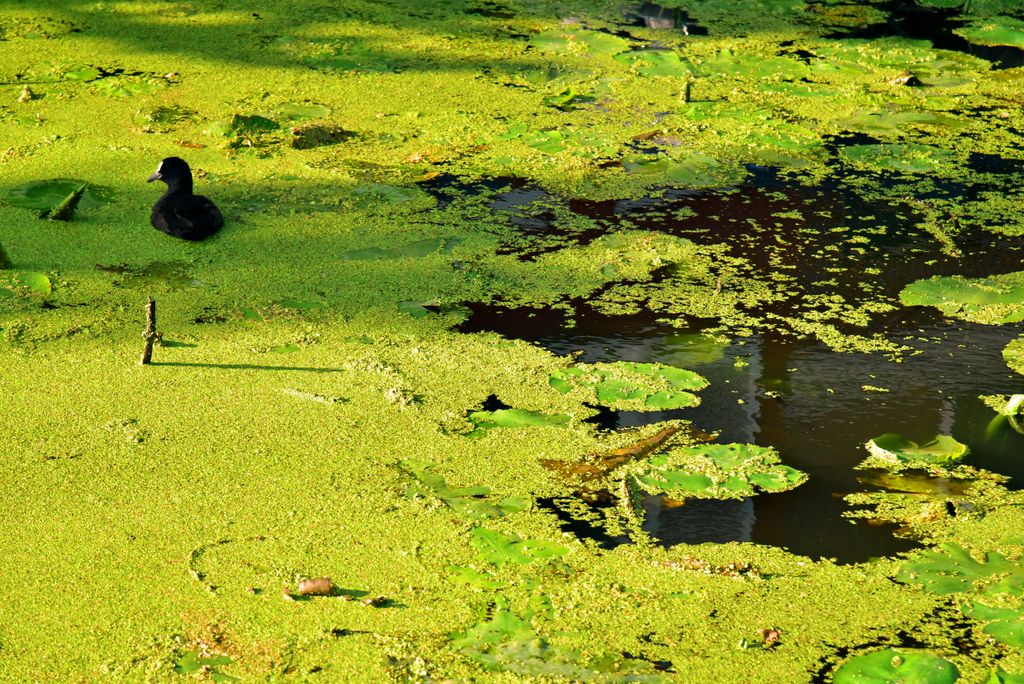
{"x":991,"y":300}
{"x":632,"y":386}
{"x":894,"y":452}
{"x":715,"y":471}
{"x":466,"y":501}
{"x":896,"y":666}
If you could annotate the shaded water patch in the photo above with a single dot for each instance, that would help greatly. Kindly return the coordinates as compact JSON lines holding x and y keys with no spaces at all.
{"x":936,"y":25}
{"x":654,"y":16}
{"x":814,"y":405}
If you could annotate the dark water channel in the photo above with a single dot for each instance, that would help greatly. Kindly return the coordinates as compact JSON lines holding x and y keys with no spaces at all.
{"x":816,"y":406}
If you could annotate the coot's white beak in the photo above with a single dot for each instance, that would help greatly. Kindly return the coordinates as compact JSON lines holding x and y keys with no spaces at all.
{"x":155,"y":176}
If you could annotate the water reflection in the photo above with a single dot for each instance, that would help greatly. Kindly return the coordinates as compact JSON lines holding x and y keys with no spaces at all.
{"x":816,"y":406}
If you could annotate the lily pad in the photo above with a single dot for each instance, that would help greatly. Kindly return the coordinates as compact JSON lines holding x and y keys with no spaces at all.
{"x":506,"y":642}
{"x":893,"y":451}
{"x":1013,"y":354}
{"x":28,"y":282}
{"x":901,"y":157}
{"x":896,"y":666}
{"x":414,"y":309}
{"x":893,"y":122}
{"x":633,"y":386}
{"x":746,"y":65}
{"x":85,"y":73}
{"x":299,"y":111}
{"x":466,"y":501}
{"x":996,"y":299}
{"x":656,"y":63}
{"x":194,"y":661}
{"x":128,"y":86}
{"x":503,"y":549}
{"x":570,"y":40}
{"x":715,"y":471}
{"x":1001,"y":676}
{"x":951,"y":569}
{"x":1009,"y":406}
{"x":46,"y":195}
{"x":420,"y":248}
{"x":381,"y":195}
{"x":513,"y":418}
{"x":474,"y":579}
{"x":691,"y":169}
{"x":1004,"y":624}
{"x":550,"y":142}
{"x":994,"y":31}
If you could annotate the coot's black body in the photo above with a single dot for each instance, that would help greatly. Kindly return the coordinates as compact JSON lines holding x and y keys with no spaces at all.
{"x":179,"y":212}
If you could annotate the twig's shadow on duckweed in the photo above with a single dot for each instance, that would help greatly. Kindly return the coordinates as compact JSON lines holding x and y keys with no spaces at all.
{"x":244,"y":366}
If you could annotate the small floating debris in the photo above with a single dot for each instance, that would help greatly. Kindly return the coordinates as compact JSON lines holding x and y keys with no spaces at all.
{"x":320,"y":586}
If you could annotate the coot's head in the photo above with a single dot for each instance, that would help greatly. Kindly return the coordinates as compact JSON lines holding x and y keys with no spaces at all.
{"x":170,"y":170}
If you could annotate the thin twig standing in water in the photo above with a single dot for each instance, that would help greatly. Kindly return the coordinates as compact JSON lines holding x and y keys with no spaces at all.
{"x":150,"y":335}
{"x":67,"y":206}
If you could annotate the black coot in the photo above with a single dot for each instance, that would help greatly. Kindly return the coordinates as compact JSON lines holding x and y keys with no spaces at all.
{"x":179,"y":212}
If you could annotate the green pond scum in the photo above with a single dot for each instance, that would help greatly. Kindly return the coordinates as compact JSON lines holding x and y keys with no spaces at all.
{"x":312,"y":409}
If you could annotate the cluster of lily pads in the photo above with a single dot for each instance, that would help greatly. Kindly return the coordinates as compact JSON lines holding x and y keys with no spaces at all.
{"x":714,"y":471}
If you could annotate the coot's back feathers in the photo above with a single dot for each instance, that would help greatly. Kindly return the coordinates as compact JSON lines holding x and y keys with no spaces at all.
{"x":179,"y":212}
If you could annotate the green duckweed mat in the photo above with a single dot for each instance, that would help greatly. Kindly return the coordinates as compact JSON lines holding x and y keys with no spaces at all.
{"x":312,"y":410}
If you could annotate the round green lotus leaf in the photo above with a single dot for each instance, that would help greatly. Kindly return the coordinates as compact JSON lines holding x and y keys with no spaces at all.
{"x":902,"y":157}
{"x":943,"y":450}
{"x":35,"y":282}
{"x":996,"y":299}
{"x":82,"y":74}
{"x":699,"y":170}
{"x":549,"y":142}
{"x":601,"y":43}
{"x":47,"y":194}
{"x":891,"y":666}
{"x":994,"y":31}
{"x":376,"y":195}
{"x":38,"y":283}
{"x":777,"y":479}
{"x":678,"y":378}
{"x":1010,"y":632}
{"x":741,"y":65}
{"x":667,"y":401}
{"x":297,"y":111}
{"x":731,"y":456}
{"x":738,"y":485}
{"x":1013,"y":355}
{"x":516,"y":418}
{"x":611,"y":391}
{"x":655,"y":63}
{"x":670,"y":480}
{"x":552,"y":41}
